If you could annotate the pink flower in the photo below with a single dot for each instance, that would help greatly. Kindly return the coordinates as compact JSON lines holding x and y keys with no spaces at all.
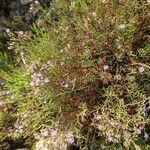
{"x":98,"y":117}
{"x":105,"y":67}
{"x":70,"y":137}
{"x":46,"y":80}
{"x":7,"y":30}
{"x":110,"y":138}
{"x":70,"y":140}
{"x":39,"y":74}
{"x":146,"y":136}
{"x":53,"y":132}
{"x":141,"y":69}
{"x":99,"y":127}
{"x":45,"y":133}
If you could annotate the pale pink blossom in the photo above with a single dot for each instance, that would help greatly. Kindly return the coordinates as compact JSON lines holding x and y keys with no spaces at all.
{"x":99,"y":127}
{"x":45,"y":133}
{"x":53,"y":132}
{"x":141,"y":69}
{"x":70,"y":137}
{"x":110,"y":138}
{"x":98,"y":117}
{"x":105,"y":67}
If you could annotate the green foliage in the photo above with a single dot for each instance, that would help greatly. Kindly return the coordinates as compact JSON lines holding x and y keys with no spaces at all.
{"x":4,"y":119}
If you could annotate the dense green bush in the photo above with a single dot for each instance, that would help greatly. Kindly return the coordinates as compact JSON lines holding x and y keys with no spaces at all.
{"x":85,"y":68}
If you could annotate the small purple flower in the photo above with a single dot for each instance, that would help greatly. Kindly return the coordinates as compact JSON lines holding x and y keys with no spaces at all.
{"x":110,"y":138}
{"x":99,"y":127}
{"x":105,"y":67}
{"x":45,"y":133}
{"x":46,"y":80}
{"x":70,"y":137}
{"x":98,"y":117}
{"x":39,"y":74}
{"x":70,"y":140}
{"x":7,"y":30}
{"x":141,"y":69}
{"x":53,"y":132}
{"x":146,"y":136}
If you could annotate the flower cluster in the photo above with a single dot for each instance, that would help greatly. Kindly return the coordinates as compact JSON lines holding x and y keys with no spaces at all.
{"x":108,"y":128}
{"x":70,"y":137}
{"x":47,"y":132}
{"x":39,"y":78}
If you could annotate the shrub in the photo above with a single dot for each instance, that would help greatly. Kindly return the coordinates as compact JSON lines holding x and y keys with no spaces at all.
{"x":85,"y":65}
